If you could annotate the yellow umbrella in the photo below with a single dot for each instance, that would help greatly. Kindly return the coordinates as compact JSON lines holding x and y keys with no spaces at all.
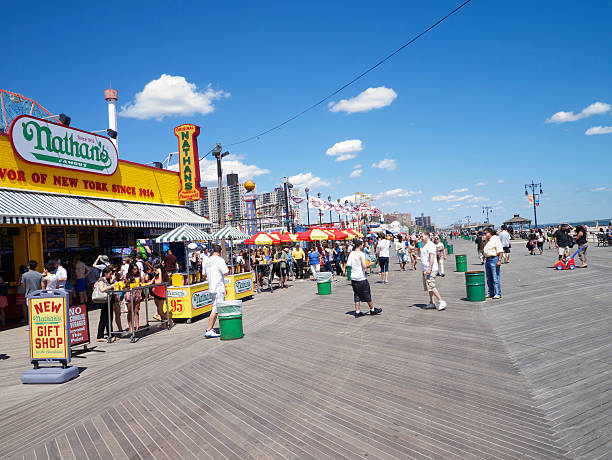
{"x":262,"y":239}
{"x":315,"y":234}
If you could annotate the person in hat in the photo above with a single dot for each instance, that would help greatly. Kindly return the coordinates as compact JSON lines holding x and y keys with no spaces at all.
{"x":101,"y":263}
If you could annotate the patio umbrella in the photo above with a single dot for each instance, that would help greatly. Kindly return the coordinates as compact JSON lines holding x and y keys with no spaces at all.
{"x":288,"y":238}
{"x":314,"y":234}
{"x":336,"y":234}
{"x":352,"y":233}
{"x":262,"y":239}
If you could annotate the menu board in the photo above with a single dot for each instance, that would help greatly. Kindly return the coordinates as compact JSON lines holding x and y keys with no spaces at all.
{"x":86,"y":237}
{"x":72,"y":237}
{"x":54,"y":237}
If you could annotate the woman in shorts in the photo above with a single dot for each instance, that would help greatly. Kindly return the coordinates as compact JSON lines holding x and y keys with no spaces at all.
{"x":159,"y":292}
{"x":134,"y":297}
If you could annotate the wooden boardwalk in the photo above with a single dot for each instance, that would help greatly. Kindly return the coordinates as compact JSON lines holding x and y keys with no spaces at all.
{"x":502,"y":379}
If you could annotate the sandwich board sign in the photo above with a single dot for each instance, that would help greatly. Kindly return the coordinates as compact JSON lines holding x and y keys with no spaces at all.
{"x":49,"y":337}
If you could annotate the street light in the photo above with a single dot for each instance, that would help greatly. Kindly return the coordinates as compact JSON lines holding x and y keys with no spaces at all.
{"x":307,"y":205}
{"x":487,"y":209}
{"x":218,"y":155}
{"x":286,"y":185}
{"x":346,"y":202}
{"x":533,"y":187}
{"x":320,"y":212}
{"x":330,"y":209}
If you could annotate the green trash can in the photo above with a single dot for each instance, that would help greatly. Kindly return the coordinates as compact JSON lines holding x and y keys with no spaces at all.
{"x":445,"y":244}
{"x":461,"y":262}
{"x":324,"y":280}
{"x":450,"y":249}
{"x":475,"y":286}
{"x":348,"y":272}
{"x":230,"y":319}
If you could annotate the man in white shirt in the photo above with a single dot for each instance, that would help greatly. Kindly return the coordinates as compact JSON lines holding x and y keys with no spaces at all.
{"x":215,"y":271}
{"x":430,"y":266}
{"x":493,"y":252}
{"x":359,"y":281}
{"x":382,"y":254}
{"x":203,"y":258}
{"x":61,"y":274}
{"x":504,"y":237}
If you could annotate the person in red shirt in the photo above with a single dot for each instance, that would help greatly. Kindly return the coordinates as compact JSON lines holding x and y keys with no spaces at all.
{"x":170,"y":262}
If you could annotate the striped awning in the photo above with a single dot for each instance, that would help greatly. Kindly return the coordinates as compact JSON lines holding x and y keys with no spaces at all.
{"x":22,"y":207}
{"x":230,"y":233}
{"x":184,"y":233}
{"x":150,"y":215}
{"x":18,"y":207}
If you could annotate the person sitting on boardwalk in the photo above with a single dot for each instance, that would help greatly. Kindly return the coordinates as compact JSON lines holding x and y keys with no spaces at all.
{"x":359,"y":281}
{"x":430,"y":266}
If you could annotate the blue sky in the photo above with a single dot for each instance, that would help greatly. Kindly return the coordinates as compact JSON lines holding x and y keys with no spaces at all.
{"x":471,"y":104}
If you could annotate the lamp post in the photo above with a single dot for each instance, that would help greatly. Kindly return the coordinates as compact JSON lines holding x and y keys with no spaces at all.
{"x":533,"y":187}
{"x":346,"y":216}
{"x":218,"y":155}
{"x":307,"y":205}
{"x":330,"y":209}
{"x":286,"y":186}
{"x":487,"y":209}
{"x":339,"y":219}
{"x":320,"y":212}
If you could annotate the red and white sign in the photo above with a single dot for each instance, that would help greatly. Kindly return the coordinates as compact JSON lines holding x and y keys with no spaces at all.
{"x":79,"y":325}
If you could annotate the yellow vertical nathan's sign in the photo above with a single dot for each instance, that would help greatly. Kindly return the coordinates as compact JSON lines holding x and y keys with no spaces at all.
{"x":48,"y":330}
{"x":189,"y":162}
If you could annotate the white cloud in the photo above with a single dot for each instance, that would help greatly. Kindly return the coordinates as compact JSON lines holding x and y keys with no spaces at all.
{"x":598,"y":130}
{"x":500,"y":181}
{"x":388,"y":203}
{"x":171,"y":95}
{"x":344,"y":150}
{"x":387,"y":164}
{"x":453,"y":198}
{"x":302,"y":180}
{"x":397,"y":193}
{"x":600,"y":189}
{"x":596,"y":108}
{"x":358,"y":166}
{"x":480,"y":184}
{"x":371,"y":98}
{"x":450,"y":198}
{"x":459,"y":190}
{"x":356,"y":173}
{"x":208,"y":169}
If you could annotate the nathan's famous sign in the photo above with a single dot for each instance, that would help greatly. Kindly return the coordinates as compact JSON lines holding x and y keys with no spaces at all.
{"x":51,"y":144}
{"x":189,"y":162}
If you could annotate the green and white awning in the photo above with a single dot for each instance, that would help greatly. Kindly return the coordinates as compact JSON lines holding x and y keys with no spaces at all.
{"x":230,"y":233}
{"x":184,"y":233}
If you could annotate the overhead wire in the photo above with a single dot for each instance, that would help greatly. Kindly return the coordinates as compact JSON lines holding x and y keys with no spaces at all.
{"x":358,"y":77}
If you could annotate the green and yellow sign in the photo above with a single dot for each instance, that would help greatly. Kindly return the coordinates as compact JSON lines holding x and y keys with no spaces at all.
{"x":51,"y":144}
{"x":189,"y":162}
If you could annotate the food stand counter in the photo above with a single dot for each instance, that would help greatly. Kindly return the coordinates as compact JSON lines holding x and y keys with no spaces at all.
{"x":238,"y":285}
{"x":190,"y":300}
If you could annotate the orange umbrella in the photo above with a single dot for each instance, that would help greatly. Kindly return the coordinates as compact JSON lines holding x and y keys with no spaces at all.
{"x":314,"y":234}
